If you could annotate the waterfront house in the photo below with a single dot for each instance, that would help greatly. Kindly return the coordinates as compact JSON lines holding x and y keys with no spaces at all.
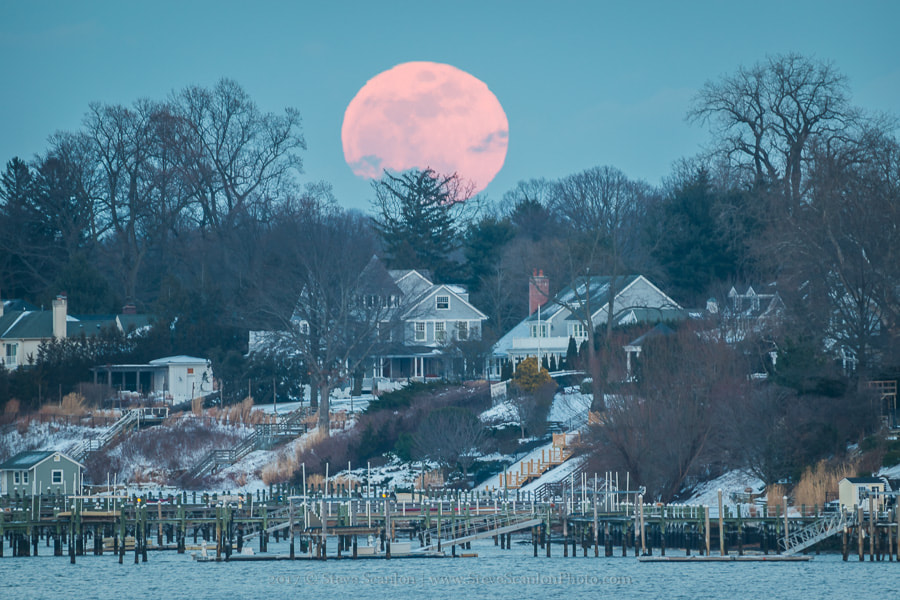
{"x":555,"y":319}
{"x":855,"y":491}
{"x":172,"y":380}
{"x":23,"y":327}
{"x":40,"y":473}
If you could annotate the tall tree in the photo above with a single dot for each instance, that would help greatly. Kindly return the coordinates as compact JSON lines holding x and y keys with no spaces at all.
{"x":765,"y":117}
{"x":417,"y":216}
{"x":238,"y":158}
{"x":328,"y":307}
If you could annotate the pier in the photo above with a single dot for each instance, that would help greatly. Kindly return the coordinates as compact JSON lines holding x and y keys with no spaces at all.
{"x":366,"y":523}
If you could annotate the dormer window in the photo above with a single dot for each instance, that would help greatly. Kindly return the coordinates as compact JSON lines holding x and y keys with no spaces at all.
{"x":442,"y":302}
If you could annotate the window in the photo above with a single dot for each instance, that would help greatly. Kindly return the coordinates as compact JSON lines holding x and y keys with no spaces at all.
{"x":462,"y":330}
{"x":16,"y":479}
{"x":442,"y":302}
{"x":578,"y":330}
{"x":440,"y":332}
{"x":24,"y":476}
{"x":56,"y":477}
{"x":420,"y":331}
{"x":539,"y":330}
{"x":11,"y":354}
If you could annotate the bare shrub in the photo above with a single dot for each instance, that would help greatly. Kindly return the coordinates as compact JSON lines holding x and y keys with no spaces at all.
{"x":197,"y":406}
{"x":12,"y":407}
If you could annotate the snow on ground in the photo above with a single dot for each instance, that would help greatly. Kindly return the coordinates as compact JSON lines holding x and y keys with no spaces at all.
{"x":890,"y":472}
{"x":339,"y":401}
{"x":503,"y":413}
{"x":43,"y":436}
{"x":569,"y":405}
{"x":731,"y":484}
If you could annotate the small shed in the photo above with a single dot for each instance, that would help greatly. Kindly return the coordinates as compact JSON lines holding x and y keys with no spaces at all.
{"x":40,"y":472}
{"x":854,"y":491}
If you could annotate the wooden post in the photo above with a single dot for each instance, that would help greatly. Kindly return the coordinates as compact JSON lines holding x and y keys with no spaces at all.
{"x":859,"y":531}
{"x":641,"y":516}
{"x":872,"y":516}
{"x":706,"y":527}
{"x":845,"y":548}
{"x":595,"y":530}
{"x":722,"y":551}
{"x":786,"y":524}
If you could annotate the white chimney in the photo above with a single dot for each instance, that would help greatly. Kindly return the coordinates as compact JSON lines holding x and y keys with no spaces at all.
{"x":60,"y":313}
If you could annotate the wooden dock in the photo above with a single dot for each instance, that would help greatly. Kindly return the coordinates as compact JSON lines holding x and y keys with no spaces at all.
{"x":357,"y":526}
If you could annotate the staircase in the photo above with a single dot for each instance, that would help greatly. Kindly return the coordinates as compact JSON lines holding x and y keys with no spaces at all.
{"x":558,"y":453}
{"x":264,"y":437}
{"x":815,"y":532}
{"x":130,"y":419}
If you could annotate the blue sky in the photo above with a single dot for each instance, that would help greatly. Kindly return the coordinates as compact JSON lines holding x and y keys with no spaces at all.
{"x":582,"y":83}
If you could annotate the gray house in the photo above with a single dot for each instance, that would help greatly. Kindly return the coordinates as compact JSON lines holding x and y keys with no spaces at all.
{"x":40,"y":472}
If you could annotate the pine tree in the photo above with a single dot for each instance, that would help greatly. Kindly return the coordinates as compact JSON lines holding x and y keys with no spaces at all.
{"x":415,"y":219}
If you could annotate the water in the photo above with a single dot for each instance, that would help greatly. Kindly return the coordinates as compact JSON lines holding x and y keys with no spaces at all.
{"x":511,"y":573}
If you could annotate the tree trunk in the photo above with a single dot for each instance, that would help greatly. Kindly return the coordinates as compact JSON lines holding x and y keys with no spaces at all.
{"x":324,"y":422}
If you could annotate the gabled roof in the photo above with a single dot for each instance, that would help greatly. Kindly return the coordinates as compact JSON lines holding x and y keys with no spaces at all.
{"x":377,"y":280}
{"x":411,"y":282}
{"x":31,"y":458}
{"x":433,"y":291}
{"x":30,"y":325}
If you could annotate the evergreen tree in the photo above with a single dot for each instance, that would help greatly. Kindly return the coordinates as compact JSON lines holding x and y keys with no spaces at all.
{"x":416,"y":219}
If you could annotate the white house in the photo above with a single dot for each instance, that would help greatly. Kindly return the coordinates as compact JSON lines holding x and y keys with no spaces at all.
{"x":173,"y":379}
{"x":855,"y":491}
{"x":552,"y":322}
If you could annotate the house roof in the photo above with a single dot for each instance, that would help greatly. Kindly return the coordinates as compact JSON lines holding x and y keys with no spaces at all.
{"x":660,"y":329}
{"x":38,"y":324}
{"x":30,"y":325}
{"x":28,"y":459}
{"x":179,"y":360}
{"x":590,"y":292}
{"x":864,"y":479}
{"x":18,"y":304}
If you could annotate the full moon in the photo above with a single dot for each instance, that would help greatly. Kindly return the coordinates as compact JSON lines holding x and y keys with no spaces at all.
{"x":426,"y":115}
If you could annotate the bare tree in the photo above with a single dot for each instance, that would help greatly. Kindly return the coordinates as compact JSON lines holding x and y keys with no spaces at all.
{"x":766,"y":116}
{"x":450,"y":436}
{"x":841,"y":247}
{"x":329,"y":308}
{"x":661,"y":429}
{"x":238,"y":158}
{"x":602,"y":206}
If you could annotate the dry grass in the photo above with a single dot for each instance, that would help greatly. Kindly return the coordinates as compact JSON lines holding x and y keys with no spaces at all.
{"x":824,"y":478}
{"x":774,"y":495}
{"x":72,"y":405}
{"x":242,"y":413}
{"x":12,"y":407}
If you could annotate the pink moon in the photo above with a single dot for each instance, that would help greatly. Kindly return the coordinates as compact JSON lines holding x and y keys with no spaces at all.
{"x":426,"y":115}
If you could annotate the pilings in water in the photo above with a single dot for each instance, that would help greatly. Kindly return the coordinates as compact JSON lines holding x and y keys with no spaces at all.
{"x":117,"y":524}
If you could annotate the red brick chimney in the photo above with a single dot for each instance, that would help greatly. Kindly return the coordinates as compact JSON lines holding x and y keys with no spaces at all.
{"x":538,"y":291}
{"x":129,"y":309}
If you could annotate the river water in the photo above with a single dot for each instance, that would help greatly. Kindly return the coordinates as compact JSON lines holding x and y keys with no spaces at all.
{"x":513,"y":573}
